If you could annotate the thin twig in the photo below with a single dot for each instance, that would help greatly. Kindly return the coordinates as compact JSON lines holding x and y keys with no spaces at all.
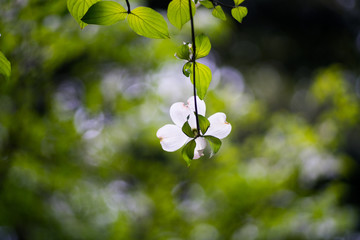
{"x":215,"y":3}
{"x":194,"y":62}
{"x":128,"y":6}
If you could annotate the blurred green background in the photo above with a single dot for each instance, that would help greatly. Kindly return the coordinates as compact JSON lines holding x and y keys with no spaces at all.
{"x":79,"y":158}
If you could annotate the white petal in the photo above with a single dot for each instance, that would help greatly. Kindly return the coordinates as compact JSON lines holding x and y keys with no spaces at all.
{"x":200,"y":105}
{"x":171,"y":137}
{"x":218,"y":126}
{"x":192,"y":121}
{"x":200,"y":146}
{"x":179,"y":113}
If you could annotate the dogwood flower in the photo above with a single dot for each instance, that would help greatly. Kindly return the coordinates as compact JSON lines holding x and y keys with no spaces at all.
{"x":172,"y":136}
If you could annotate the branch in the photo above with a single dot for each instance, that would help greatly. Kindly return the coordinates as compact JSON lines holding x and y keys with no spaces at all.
{"x":194,"y":62}
{"x":128,"y":6}
{"x":215,"y":3}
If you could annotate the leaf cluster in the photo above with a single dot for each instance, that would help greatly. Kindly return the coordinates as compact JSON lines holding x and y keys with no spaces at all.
{"x":238,"y":12}
{"x":148,"y":23}
{"x":142,"y":20}
{"x":188,"y":150}
{"x":202,"y":72}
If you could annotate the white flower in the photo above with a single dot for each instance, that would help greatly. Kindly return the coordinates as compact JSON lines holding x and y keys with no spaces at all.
{"x":173,"y":138}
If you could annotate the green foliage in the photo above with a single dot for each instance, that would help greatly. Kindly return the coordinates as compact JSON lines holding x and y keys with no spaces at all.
{"x":183,"y":52}
{"x":187,"y":69}
{"x":188,"y":151}
{"x":78,"y":8}
{"x":219,"y":13}
{"x":238,"y":2}
{"x":105,"y":13}
{"x":187,"y":130}
{"x":148,"y":23}
{"x":5,"y":66}
{"x":207,"y":4}
{"x":203,"y":46}
{"x":203,"y":78}
{"x":239,"y":13}
{"x":142,"y":20}
{"x":214,"y":142}
{"x":204,"y":124}
{"x":330,"y":88}
{"x":178,"y":12}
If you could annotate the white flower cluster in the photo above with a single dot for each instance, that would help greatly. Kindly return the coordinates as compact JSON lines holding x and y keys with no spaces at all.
{"x":173,"y":138}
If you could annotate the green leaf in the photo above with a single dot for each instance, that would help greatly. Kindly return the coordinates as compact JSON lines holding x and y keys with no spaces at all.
{"x":203,"y":46}
{"x":203,"y":78}
{"x":188,"y":151}
{"x":238,"y":2}
{"x":239,"y":13}
{"x":187,"y":69}
{"x":207,"y":4}
{"x":183,"y":52}
{"x":204,"y":124}
{"x":105,"y":13}
{"x":148,"y":23}
{"x":179,"y":13}
{"x":219,"y":13}
{"x":5,"y":66}
{"x":78,"y":8}
{"x":187,"y":130}
{"x":214,"y":142}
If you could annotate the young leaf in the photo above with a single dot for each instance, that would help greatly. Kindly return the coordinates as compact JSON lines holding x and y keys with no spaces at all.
{"x":215,"y":143}
{"x":219,"y":13}
{"x":204,"y":124}
{"x":148,"y":23}
{"x":203,"y":78}
{"x":203,"y":46}
{"x":239,"y":13}
{"x":178,"y":12}
{"x":238,"y":2}
{"x":188,"y":151}
{"x":187,"y":130}
{"x":207,"y":4}
{"x":187,"y":69}
{"x":78,"y":8}
{"x":105,"y":13}
{"x":183,"y":52}
{"x":5,"y":66}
